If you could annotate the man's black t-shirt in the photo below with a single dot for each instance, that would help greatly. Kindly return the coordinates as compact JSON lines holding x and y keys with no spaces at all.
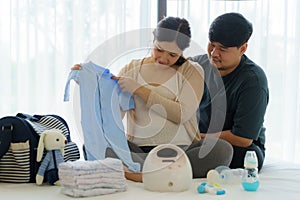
{"x":235,"y":102}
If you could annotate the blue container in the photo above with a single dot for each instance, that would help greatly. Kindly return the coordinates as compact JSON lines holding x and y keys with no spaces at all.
{"x":248,"y":186}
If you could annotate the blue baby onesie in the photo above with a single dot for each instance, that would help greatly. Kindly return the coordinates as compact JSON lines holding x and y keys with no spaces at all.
{"x":100,"y":102}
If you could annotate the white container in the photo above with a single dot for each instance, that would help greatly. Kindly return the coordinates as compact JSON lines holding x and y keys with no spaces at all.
{"x":232,"y":176}
{"x":225,"y":175}
{"x":167,"y":169}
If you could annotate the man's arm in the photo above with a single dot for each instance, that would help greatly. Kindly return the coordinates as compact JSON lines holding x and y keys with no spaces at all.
{"x":231,"y":138}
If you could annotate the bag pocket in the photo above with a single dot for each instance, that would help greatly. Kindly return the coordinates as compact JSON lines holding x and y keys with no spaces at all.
{"x":15,"y":164}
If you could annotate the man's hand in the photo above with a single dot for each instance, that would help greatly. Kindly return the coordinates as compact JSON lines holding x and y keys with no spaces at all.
{"x":230,"y":137}
{"x":215,"y":135}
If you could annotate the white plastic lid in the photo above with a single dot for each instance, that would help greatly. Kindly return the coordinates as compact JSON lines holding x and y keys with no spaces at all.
{"x":250,"y":160}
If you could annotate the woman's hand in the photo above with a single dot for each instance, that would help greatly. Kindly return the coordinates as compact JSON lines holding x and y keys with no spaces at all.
{"x":76,"y":67}
{"x":133,"y":176}
{"x":127,"y":84}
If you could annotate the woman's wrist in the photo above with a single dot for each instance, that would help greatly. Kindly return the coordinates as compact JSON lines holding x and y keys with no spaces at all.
{"x":143,"y":93}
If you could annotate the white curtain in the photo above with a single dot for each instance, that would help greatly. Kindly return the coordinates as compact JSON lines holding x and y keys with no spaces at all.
{"x":275,"y":47}
{"x":41,"y":40}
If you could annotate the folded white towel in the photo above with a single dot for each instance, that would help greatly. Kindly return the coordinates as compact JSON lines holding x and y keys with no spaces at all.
{"x":70,"y":172}
{"x":120,"y":185}
{"x":97,"y":175}
{"x":70,"y":181}
{"x":91,"y":192}
{"x":107,"y":164}
{"x":90,"y":178}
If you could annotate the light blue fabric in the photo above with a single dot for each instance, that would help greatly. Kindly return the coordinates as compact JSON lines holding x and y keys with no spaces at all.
{"x":48,"y":161}
{"x":101,"y":99}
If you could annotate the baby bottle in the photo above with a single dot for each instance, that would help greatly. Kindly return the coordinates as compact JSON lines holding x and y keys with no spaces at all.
{"x":250,"y":180}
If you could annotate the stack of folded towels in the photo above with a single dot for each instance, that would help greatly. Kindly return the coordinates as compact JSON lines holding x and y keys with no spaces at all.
{"x":90,"y":178}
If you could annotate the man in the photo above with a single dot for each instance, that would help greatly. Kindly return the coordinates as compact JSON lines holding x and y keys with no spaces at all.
{"x":236,"y":95}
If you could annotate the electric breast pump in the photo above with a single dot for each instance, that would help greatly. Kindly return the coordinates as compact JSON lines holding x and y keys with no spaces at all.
{"x":167,"y":169}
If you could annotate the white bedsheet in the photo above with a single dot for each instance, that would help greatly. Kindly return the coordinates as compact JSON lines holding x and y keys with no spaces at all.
{"x":278,"y":180}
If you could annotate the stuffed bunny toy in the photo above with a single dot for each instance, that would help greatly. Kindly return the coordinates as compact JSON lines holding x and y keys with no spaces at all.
{"x":53,"y":141}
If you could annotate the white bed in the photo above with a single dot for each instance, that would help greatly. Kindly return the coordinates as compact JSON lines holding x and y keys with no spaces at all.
{"x":278,"y":180}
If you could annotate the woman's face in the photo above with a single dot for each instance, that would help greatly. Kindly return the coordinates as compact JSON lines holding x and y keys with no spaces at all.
{"x":166,"y":53}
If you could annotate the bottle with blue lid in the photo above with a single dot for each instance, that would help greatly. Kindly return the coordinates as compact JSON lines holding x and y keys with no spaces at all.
{"x":250,"y":179}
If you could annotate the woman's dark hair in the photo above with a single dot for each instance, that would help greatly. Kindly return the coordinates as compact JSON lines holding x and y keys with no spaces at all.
{"x":231,"y":30}
{"x":180,"y":61}
{"x":172,"y":29}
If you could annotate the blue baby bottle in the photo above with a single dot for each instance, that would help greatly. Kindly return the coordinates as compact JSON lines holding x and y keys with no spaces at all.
{"x":250,"y":179}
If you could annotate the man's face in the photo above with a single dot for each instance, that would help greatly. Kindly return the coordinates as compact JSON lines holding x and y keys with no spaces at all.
{"x":225,"y":59}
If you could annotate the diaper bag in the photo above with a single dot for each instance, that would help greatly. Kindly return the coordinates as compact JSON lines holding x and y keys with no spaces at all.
{"x":19,"y":136}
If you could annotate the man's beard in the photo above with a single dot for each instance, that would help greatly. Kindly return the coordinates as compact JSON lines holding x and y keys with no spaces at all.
{"x":221,"y":68}
{"x":218,"y":60}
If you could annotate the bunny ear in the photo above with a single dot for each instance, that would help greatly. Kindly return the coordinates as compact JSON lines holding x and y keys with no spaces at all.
{"x":40,"y":149}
